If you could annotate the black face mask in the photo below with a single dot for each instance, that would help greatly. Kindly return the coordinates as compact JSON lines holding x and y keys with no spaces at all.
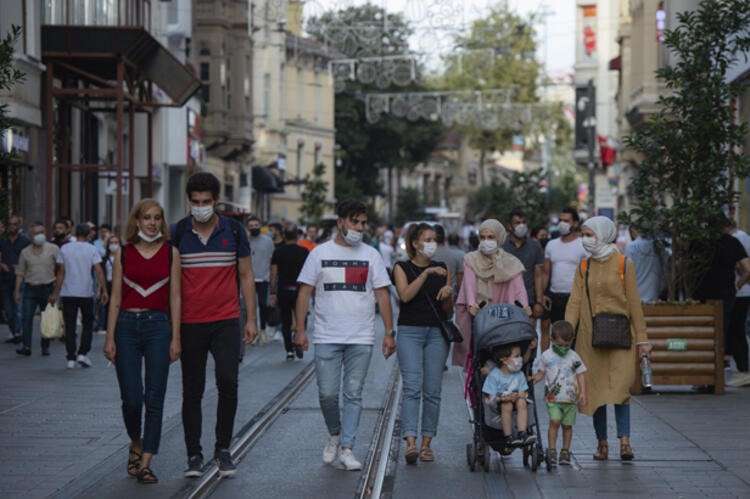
{"x":255,"y":232}
{"x":543,"y":241}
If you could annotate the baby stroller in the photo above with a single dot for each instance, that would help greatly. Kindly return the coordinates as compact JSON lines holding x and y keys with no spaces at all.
{"x":499,"y":325}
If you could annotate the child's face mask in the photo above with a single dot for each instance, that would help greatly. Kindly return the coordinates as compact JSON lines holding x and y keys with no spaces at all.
{"x":560,"y":350}
{"x":514,"y":364}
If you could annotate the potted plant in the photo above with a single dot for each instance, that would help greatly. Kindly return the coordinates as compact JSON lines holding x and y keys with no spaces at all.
{"x":689,"y":159}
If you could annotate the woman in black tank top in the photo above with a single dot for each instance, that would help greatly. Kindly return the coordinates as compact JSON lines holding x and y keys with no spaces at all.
{"x":424,"y":289}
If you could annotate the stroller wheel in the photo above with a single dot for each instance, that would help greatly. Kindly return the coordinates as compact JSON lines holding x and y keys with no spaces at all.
{"x":471,"y":457}
{"x":534,"y":460}
{"x":526,"y":457}
{"x":486,"y":458}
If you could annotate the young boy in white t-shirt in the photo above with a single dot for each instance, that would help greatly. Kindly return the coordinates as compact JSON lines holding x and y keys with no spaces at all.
{"x":564,"y":387}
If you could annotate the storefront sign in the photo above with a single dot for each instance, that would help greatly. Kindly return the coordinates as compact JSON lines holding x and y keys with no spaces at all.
{"x":676,"y":344}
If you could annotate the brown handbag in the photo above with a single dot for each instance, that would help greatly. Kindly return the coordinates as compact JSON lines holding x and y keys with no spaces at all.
{"x":609,"y":330}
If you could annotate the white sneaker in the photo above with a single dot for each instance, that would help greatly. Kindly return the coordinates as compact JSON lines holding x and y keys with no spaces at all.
{"x":739,"y":379}
{"x":330,"y":453}
{"x":71,"y":364}
{"x":348,"y":462}
{"x":84,"y":361}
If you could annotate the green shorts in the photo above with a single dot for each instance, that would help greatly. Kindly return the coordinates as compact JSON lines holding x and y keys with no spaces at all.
{"x":565,"y":412}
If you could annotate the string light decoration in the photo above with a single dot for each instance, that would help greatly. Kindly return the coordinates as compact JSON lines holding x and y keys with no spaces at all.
{"x":485,"y":109}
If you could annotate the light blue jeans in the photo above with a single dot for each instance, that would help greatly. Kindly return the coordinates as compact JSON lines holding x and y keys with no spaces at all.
{"x":421,"y":356}
{"x":330,"y":358}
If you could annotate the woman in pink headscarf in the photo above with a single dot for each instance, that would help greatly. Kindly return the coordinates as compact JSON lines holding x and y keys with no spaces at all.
{"x":491,"y":275}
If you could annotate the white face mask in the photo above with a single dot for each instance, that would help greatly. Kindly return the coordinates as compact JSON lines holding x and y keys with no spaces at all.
{"x":429,"y":249}
{"x":39,"y":239}
{"x":352,"y":237}
{"x":589,"y":243}
{"x":563,"y":228}
{"x":488,"y":246}
{"x":113,"y":248}
{"x":147,"y":238}
{"x":202,"y":214}
{"x":514,"y":364}
{"x":521,"y":230}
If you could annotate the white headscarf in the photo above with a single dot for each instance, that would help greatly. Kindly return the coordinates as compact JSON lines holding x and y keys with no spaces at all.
{"x":496,"y":268}
{"x":606,"y":233}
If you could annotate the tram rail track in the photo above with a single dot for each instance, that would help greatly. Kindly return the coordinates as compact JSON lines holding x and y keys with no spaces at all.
{"x":252,"y":432}
{"x":375,"y":469}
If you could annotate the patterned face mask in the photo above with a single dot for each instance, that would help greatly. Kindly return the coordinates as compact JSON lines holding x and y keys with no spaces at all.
{"x":559,"y":350}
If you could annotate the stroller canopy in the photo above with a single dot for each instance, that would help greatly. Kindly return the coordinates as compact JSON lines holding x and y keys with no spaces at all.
{"x":501,"y":324}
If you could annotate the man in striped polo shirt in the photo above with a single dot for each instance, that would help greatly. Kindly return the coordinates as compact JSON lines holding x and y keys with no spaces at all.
{"x":215,"y":258}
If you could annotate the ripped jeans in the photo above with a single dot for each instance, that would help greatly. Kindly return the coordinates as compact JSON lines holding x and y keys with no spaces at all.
{"x":330,"y":358}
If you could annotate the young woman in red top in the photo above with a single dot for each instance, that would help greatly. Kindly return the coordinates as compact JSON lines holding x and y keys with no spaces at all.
{"x":145,"y":292}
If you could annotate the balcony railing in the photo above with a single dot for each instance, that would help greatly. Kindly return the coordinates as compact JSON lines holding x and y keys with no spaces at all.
{"x":98,"y":13}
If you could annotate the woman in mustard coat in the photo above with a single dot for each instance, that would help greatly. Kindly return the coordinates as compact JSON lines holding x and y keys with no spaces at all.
{"x":613,"y":289}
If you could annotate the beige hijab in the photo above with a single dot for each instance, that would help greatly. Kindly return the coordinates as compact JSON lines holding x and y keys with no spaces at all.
{"x":496,"y":268}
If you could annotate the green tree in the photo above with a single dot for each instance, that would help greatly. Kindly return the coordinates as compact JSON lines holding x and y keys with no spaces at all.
{"x":314,"y":195}
{"x":369,"y":31}
{"x":409,"y":205}
{"x":688,"y":147}
{"x":498,"y":53}
{"x":9,"y":76}
{"x":511,"y":191}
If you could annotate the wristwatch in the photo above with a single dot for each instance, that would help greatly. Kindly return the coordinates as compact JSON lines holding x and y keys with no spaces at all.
{"x":392,"y":333}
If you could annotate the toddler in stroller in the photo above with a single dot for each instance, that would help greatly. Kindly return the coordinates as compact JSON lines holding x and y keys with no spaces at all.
{"x":505,"y":389}
{"x":503,"y":345}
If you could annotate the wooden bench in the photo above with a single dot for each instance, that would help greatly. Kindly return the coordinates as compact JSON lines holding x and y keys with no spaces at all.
{"x":688,"y":345}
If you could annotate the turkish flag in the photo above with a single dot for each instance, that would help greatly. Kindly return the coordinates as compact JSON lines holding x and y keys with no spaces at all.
{"x":607,"y":150}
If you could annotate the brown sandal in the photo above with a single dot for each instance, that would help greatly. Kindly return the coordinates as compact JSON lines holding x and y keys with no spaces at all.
{"x":626,"y":452}
{"x":602,"y":451}
{"x":426,"y":455}
{"x":411,"y":455}
{"x":133,"y":464}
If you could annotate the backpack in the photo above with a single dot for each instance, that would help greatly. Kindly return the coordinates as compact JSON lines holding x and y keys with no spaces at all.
{"x":583,"y":268}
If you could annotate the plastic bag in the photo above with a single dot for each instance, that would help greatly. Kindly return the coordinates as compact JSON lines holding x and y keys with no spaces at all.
{"x":52,"y":322}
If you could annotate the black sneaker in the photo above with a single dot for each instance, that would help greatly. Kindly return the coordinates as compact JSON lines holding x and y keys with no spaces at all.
{"x":515,"y":440}
{"x":195,"y":467}
{"x":298,"y":352}
{"x":24,"y":351}
{"x":290,"y":356}
{"x":224,"y":461}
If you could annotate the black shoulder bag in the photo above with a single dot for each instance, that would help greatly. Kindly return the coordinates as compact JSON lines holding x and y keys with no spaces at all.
{"x":609,"y":331}
{"x":448,"y":328}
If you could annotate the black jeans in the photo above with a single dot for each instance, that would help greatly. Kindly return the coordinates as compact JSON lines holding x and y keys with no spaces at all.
{"x":261,"y":292}
{"x":287,"y":302}
{"x":736,"y":339}
{"x":557,"y":308}
{"x":70,"y":306}
{"x":222,"y":339}
{"x":33,"y":297}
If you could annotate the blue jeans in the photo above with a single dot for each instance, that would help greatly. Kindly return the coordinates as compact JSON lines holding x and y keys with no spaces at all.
{"x":34,"y":296}
{"x":421,"y":356}
{"x":622,"y":420}
{"x":144,"y":335}
{"x":329,"y":360}
{"x":11,"y":308}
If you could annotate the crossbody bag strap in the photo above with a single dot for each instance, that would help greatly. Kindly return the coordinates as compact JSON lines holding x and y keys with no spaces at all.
{"x":586,"y":281}
{"x":421,"y":289}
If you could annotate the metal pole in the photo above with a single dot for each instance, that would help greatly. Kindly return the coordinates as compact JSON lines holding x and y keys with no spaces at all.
{"x":50,"y":145}
{"x":591,"y":134}
{"x":118,"y":187}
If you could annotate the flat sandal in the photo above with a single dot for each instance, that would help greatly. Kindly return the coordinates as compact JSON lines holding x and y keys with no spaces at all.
{"x":426,"y":455}
{"x":133,"y":464}
{"x":602,"y":451}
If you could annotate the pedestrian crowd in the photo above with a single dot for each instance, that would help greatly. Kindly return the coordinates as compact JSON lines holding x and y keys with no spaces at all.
{"x":210,"y":283}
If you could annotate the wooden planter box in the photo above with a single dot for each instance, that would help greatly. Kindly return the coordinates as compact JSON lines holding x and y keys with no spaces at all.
{"x":688,"y":345}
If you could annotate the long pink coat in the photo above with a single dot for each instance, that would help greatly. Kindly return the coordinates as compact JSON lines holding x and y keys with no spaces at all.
{"x":503,"y":292}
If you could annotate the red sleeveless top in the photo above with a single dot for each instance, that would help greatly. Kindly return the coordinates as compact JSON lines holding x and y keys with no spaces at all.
{"x":145,"y":282}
